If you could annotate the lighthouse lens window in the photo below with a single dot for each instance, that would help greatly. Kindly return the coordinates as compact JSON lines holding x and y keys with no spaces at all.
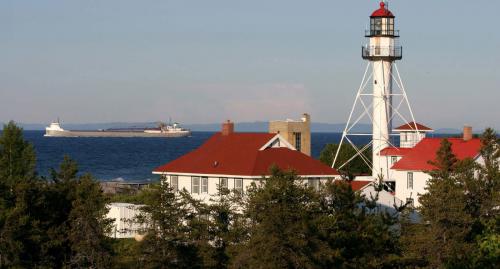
{"x":378,"y":26}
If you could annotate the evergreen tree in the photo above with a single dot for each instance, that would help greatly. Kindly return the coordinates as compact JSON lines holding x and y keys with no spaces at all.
{"x":280,"y":228}
{"x":226,"y":227}
{"x":88,"y":226}
{"x":355,"y":167}
{"x":59,"y":194}
{"x":20,"y":189}
{"x":167,"y":243}
{"x":358,"y":233}
{"x":17,"y":159}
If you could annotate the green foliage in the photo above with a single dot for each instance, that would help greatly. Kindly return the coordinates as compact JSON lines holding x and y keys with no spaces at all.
{"x":281,"y":234}
{"x":355,"y":167}
{"x":358,"y":233}
{"x":167,"y":243}
{"x":125,"y":253}
{"x":88,"y":226}
{"x":47,"y":224}
{"x":17,"y":157}
{"x":133,"y":197}
{"x":20,"y":231}
{"x":294,"y":226}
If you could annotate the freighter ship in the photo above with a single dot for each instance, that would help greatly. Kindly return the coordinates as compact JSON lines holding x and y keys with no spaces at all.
{"x":163,"y":130}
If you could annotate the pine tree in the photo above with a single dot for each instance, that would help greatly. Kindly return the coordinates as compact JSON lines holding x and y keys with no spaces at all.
{"x":59,"y":194}
{"x":19,"y":200}
{"x":358,"y":233}
{"x":459,"y":208}
{"x":88,"y":226}
{"x":355,"y":167}
{"x":281,"y":235}
{"x":167,"y":243}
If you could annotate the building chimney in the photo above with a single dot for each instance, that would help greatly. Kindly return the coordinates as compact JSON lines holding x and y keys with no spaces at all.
{"x":227,"y":127}
{"x":467,"y":133}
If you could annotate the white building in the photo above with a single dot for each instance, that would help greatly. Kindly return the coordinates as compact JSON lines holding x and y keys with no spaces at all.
{"x":386,"y":200}
{"x":123,"y":216}
{"x":409,"y":167}
{"x":236,"y":160}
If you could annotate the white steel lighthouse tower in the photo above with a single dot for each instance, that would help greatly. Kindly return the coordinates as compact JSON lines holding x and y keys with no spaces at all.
{"x":376,"y":103}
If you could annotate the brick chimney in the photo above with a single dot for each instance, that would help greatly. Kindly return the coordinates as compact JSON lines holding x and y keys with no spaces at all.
{"x":467,"y":133}
{"x":227,"y":128}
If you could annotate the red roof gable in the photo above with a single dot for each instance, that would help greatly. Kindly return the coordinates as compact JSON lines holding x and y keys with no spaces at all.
{"x":417,"y":159}
{"x":412,"y":126}
{"x":357,"y":185}
{"x":394,"y":151}
{"x":382,"y":12}
{"x":239,"y":154}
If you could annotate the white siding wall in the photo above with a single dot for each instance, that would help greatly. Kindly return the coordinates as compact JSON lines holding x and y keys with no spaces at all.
{"x":410,"y":139}
{"x":403,"y":192}
{"x":185,"y":182}
{"x":386,"y":168}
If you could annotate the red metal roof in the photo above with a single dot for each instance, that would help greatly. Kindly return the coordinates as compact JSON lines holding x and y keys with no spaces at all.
{"x":239,"y":154}
{"x":382,"y":12}
{"x":394,"y":151}
{"x":412,"y":126}
{"x":417,"y":159}
{"x":357,"y":185}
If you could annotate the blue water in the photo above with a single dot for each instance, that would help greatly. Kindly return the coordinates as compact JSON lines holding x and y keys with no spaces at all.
{"x":129,"y":159}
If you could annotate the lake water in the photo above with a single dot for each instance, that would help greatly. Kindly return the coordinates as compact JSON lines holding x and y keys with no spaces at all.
{"x":130,"y":159}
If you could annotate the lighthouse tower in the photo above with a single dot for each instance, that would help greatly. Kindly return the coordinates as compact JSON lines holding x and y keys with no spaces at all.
{"x":376,"y":94}
{"x":382,"y":50}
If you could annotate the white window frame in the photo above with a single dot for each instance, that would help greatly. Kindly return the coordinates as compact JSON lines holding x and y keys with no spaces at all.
{"x":174,"y":183}
{"x":394,"y":159}
{"x":195,"y":185}
{"x":224,"y":182}
{"x":204,"y":185}
{"x":409,"y":180}
{"x":314,"y":182}
{"x":236,"y":187}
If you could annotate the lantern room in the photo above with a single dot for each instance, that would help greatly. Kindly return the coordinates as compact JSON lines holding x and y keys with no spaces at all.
{"x":382,"y":23}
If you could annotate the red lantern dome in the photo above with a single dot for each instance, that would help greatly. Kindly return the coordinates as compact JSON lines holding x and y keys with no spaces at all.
{"x":382,"y":12}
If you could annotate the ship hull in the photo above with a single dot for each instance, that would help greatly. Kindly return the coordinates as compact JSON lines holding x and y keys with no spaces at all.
{"x":55,"y":133}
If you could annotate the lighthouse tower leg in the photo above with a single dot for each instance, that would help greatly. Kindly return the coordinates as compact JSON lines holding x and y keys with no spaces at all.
{"x":382,"y":112}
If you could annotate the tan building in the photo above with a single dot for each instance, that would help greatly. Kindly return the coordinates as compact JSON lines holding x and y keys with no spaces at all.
{"x":296,"y":132}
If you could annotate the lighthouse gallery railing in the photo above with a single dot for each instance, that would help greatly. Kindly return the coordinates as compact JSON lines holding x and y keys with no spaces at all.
{"x":370,"y":52}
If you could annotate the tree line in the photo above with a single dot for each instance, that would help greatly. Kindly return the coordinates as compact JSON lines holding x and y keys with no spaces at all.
{"x":60,"y":221}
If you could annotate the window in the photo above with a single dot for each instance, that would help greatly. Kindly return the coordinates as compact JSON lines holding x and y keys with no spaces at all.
{"x":410,"y":202}
{"x":195,"y":185}
{"x":238,"y":185}
{"x":409,"y":183}
{"x":394,"y":159}
{"x":298,"y":141}
{"x":403,"y":137}
{"x":174,"y":183}
{"x":313,"y":183}
{"x":204,"y":185}
{"x":223,"y":183}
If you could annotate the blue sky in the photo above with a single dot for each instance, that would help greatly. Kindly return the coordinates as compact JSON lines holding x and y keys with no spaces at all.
{"x":206,"y":61}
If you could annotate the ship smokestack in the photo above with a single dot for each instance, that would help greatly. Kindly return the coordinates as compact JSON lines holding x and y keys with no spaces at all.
{"x":227,"y":127}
